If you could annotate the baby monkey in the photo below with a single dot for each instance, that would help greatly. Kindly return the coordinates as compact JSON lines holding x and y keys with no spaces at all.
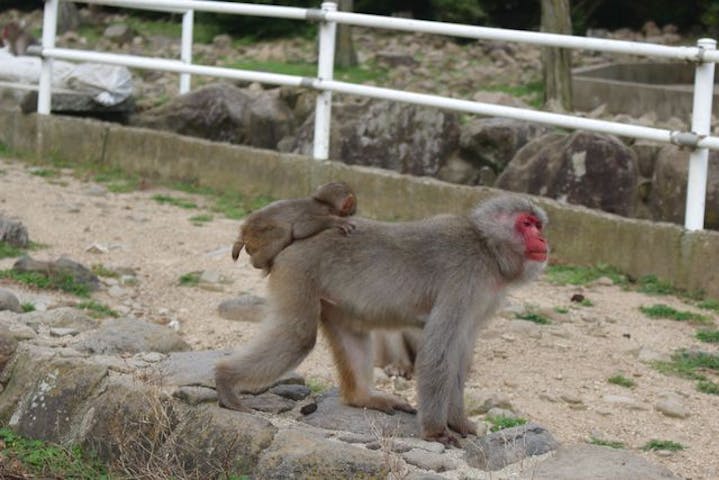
{"x":17,"y":39}
{"x":270,"y":229}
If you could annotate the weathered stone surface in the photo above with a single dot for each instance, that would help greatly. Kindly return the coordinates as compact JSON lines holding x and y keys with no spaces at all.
{"x":268,"y":402}
{"x":594,"y":170}
{"x":48,"y":393}
{"x":13,"y":232}
{"x":8,"y":345}
{"x":62,"y":317}
{"x":189,"y":368}
{"x":59,"y":270}
{"x":195,"y":395}
{"x":667,"y":199}
{"x":332,"y":414}
{"x":125,"y":335}
{"x":495,"y":141}
{"x":302,"y":454}
{"x":395,"y":136}
{"x":502,"y":448}
{"x":292,"y":392}
{"x":592,"y":462}
{"x":9,"y":301}
{"x":429,"y":461}
{"x":245,"y":308}
{"x":231,"y":442}
{"x":225,"y":113}
{"x":481,"y":401}
{"x":126,"y":424}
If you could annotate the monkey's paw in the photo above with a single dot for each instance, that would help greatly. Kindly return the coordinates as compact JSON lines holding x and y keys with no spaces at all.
{"x":383,"y":402}
{"x":346,"y":227}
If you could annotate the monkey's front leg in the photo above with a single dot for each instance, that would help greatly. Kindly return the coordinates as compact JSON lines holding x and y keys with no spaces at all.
{"x":353,"y":356}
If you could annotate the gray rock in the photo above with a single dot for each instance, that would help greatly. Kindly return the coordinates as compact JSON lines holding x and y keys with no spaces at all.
{"x":13,"y":232}
{"x":592,"y":462}
{"x":62,"y":317}
{"x":292,"y":392}
{"x":511,"y":445}
{"x":8,"y":345}
{"x":482,"y":401}
{"x":119,"y":33}
{"x":230,"y":442}
{"x":8,"y":301}
{"x":44,"y":395}
{"x":125,"y":335}
{"x":225,"y":113}
{"x":59,"y":270}
{"x":245,"y":308}
{"x":73,"y":103}
{"x":195,"y":395}
{"x":296,"y":453}
{"x":395,"y":136}
{"x":672,"y":405}
{"x":594,"y":170}
{"x":267,"y":402}
{"x":332,"y":414}
{"x":429,"y":461}
{"x":64,"y":332}
{"x":493,"y":142}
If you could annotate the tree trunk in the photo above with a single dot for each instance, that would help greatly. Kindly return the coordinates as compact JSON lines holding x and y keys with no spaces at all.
{"x":345,"y":55}
{"x":557,"y":62}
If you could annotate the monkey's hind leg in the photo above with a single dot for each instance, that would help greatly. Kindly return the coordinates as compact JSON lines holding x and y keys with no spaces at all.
{"x":352,"y":351}
{"x":287,"y":339}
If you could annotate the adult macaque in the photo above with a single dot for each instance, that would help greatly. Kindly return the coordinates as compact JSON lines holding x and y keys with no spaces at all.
{"x":395,"y":351}
{"x":446,"y":274}
{"x":270,"y":229}
{"x":17,"y":39}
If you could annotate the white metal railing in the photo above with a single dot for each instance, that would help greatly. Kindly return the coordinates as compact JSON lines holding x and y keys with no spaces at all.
{"x":704,"y":55}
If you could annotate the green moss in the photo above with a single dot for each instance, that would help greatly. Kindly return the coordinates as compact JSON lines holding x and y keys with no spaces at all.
{"x":621,"y":380}
{"x":500,"y":422}
{"x":663,"y":445}
{"x":56,"y":282}
{"x":661,"y":310}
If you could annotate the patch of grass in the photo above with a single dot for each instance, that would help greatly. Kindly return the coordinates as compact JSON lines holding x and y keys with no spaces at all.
{"x":40,"y":459}
{"x":9,"y":251}
{"x":56,"y":282}
{"x":316,"y":385}
{"x":606,"y":443}
{"x":170,"y":200}
{"x":5,"y":150}
{"x":537,"y":318}
{"x":44,"y":172}
{"x":651,"y":285}
{"x":199,"y":220}
{"x":561,"y":310}
{"x":579,"y":275}
{"x":102,"y":271}
{"x":661,"y":310}
{"x":116,"y":180}
{"x":621,"y":380}
{"x":27,"y":307}
{"x":663,"y":445}
{"x":190,"y":279}
{"x":359,"y":74}
{"x":586,"y":303}
{"x":707,"y":386}
{"x":500,"y":422}
{"x":709,"y":304}
{"x":708,"y":336}
{"x":97,"y":309}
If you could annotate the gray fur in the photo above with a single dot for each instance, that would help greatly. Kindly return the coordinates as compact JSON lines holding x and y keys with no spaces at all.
{"x":448,"y":272}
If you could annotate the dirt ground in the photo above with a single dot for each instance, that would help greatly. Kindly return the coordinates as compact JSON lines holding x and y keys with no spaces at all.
{"x":555,"y":375}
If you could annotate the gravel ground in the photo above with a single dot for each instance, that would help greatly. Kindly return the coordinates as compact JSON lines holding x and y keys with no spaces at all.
{"x":555,"y":375}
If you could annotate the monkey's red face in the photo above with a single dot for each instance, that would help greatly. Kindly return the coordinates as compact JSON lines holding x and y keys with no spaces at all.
{"x":530,"y":228}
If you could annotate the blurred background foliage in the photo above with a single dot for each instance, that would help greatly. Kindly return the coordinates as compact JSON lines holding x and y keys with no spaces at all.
{"x":693,"y":17}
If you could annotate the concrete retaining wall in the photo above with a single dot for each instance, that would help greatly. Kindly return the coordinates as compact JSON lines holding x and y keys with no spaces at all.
{"x":578,"y":235}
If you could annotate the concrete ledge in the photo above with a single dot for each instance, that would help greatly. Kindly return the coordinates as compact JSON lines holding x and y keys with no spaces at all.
{"x":690,"y":260}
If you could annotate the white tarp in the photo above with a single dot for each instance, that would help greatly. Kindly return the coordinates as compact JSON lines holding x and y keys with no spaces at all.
{"x":107,"y":84}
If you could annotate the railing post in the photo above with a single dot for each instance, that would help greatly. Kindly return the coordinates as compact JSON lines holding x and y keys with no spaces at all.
{"x":325,"y":66}
{"x":699,"y":158}
{"x":186,"y":48}
{"x":49,"y":29}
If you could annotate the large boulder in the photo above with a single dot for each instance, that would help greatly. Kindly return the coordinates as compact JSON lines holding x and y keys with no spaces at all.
{"x":225,"y":113}
{"x":494,"y":141}
{"x":13,"y":232}
{"x":395,"y":136}
{"x":667,"y":200}
{"x":594,"y":170}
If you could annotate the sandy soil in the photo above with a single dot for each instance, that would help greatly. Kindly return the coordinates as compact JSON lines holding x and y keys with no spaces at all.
{"x":555,"y":375}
